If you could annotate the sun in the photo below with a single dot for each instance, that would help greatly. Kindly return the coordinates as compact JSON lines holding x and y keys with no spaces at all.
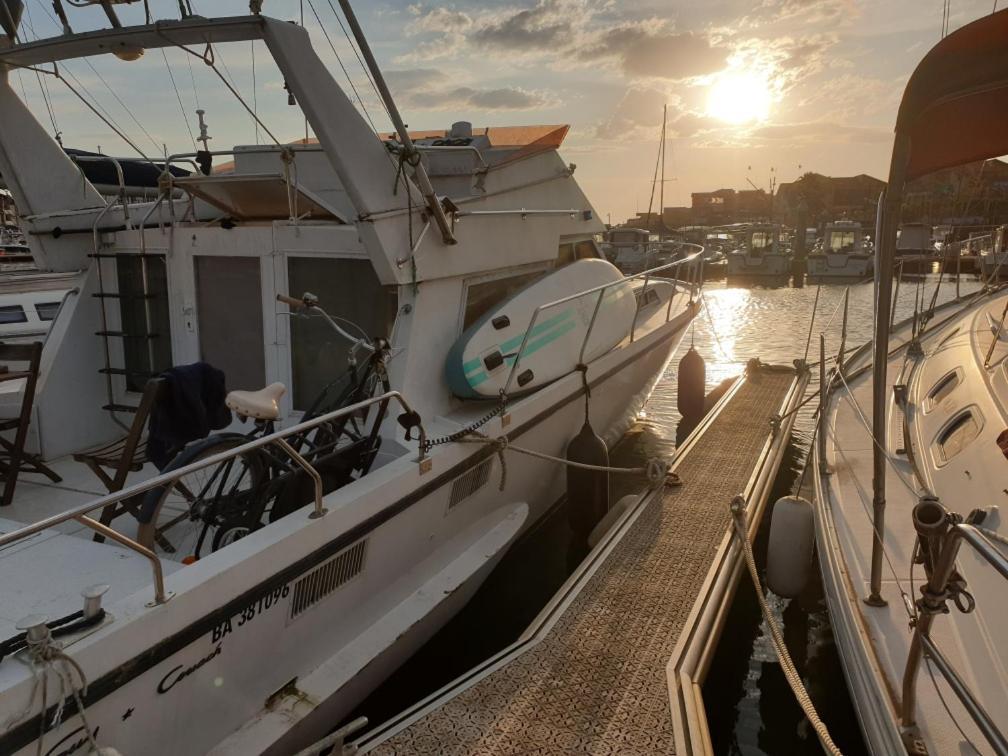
{"x":739,"y":97}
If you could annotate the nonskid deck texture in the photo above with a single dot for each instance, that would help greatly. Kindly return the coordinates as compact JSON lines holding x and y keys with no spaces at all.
{"x":597,"y":682}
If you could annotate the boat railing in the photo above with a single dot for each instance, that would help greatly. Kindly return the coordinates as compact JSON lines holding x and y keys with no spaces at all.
{"x":695,"y":263}
{"x":941,"y":534}
{"x":278,"y":438}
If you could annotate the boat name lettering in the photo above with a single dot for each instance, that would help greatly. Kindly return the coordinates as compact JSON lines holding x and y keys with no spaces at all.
{"x":246,"y":615}
{"x":176,"y":676}
{"x":66,"y":749}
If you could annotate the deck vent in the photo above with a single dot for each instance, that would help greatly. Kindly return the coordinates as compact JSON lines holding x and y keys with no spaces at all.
{"x":326,"y":578}
{"x":470,"y":482}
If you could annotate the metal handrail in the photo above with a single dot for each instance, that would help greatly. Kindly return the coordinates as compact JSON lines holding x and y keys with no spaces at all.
{"x":601,"y":291}
{"x":80,"y":513}
{"x":931,"y":518}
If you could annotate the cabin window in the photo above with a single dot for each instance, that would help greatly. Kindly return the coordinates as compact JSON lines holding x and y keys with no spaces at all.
{"x":143,"y":311}
{"x":47,"y":310}
{"x":1002,"y":442}
{"x":942,"y":389}
{"x":229,"y":302}
{"x":347,"y":289}
{"x":761,"y":239}
{"x":841,"y":241}
{"x":957,"y":435}
{"x":566,"y":255}
{"x":483,"y":297}
{"x":12,"y":314}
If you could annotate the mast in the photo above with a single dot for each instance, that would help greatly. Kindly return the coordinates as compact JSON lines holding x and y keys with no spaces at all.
{"x":661,"y":192}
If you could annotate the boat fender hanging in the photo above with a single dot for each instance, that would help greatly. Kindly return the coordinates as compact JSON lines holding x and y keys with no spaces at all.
{"x":789,"y":551}
{"x":692,"y":379}
{"x":587,"y":490}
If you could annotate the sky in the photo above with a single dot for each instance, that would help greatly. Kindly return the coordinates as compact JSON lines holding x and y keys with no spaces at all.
{"x":756,"y":91}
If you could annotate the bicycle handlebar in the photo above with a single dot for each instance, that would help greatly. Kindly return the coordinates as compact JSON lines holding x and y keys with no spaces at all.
{"x":310,"y":302}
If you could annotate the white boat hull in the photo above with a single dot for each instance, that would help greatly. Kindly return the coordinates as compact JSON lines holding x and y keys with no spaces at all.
{"x":231,"y":640}
{"x":840,"y":267}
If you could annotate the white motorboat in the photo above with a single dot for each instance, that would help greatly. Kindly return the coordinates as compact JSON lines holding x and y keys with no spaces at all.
{"x":269,"y":630}
{"x":911,"y":458}
{"x":762,"y":256}
{"x":992,"y":258}
{"x":629,"y":249}
{"x":842,"y":256}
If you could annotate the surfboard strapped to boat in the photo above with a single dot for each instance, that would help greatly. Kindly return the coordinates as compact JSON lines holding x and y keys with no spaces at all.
{"x":480,"y":361}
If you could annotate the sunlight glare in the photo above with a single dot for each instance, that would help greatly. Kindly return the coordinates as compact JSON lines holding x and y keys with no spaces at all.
{"x":739,"y":97}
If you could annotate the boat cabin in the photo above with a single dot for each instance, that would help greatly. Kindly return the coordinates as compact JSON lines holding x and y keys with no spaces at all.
{"x":843,"y":237}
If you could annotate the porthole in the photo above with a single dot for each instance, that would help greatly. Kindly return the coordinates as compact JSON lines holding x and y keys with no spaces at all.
{"x":956,"y":436}
{"x":942,"y":389}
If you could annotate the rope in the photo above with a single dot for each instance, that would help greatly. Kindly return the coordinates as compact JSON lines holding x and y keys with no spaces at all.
{"x":656,"y":470}
{"x":45,"y":655}
{"x":178,"y":97}
{"x":787,"y":665}
{"x":340,"y":61}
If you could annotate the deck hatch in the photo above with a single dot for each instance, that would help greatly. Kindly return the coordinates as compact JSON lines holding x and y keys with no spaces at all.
{"x":470,"y":482}
{"x":327,"y":577}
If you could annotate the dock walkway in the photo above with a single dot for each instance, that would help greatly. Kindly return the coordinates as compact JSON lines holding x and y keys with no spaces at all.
{"x":595,"y":681}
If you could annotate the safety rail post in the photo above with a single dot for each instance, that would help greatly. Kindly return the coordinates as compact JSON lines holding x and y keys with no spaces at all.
{"x":591,"y":325}
{"x":160,"y":597}
{"x":521,"y":349}
{"x":843,"y":332}
{"x":821,"y":436}
{"x":640,"y":301}
{"x":301,"y":462}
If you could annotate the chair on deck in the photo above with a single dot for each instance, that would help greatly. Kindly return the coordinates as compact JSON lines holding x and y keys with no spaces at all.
{"x":113,"y":462}
{"x":13,"y":458}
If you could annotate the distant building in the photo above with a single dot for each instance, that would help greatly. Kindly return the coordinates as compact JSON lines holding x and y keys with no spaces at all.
{"x":821,"y":199}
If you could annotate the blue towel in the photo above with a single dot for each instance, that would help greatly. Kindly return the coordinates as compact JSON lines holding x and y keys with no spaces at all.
{"x":192,"y":406}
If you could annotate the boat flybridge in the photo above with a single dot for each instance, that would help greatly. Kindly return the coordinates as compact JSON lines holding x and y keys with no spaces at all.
{"x":911,"y":460}
{"x":844,"y":255}
{"x":459,"y":303}
{"x":762,"y":255}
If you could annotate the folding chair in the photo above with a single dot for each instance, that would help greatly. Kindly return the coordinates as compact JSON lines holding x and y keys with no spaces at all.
{"x":15,"y":459}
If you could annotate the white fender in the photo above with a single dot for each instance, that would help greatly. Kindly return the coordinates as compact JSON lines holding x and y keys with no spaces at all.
{"x":789,"y":552}
{"x":603,"y":526}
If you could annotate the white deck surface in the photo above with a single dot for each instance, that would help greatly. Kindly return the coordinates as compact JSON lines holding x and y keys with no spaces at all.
{"x":975,"y":644}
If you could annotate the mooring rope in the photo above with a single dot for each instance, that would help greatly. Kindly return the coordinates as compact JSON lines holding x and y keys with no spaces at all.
{"x":738,"y":508}
{"x":656,"y":470}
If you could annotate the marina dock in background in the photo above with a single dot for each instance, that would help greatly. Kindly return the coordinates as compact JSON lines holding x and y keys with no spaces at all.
{"x":598,"y":670}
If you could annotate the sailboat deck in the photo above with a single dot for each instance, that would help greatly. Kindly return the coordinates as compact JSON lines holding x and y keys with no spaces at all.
{"x":592,"y":677}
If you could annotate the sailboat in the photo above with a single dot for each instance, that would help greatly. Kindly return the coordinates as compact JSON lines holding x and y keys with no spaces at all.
{"x":462,"y":262}
{"x":911,"y":455}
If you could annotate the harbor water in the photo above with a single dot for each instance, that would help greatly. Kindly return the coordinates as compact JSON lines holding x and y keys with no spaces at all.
{"x":750,"y":708}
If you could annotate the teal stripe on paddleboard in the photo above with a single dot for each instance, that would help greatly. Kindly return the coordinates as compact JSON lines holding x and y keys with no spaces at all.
{"x":473,"y":364}
{"x":545,"y":325}
{"x":537,"y":344}
{"x":476,"y":379}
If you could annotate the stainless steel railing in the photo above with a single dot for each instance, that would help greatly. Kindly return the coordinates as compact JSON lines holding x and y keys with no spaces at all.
{"x":80,"y":513}
{"x":946,"y":533}
{"x":696,"y":259}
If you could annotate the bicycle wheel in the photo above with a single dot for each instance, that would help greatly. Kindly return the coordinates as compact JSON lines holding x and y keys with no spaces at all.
{"x":178,"y":520}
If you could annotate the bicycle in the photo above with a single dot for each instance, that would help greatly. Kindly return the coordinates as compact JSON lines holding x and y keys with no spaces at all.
{"x":227,"y":501}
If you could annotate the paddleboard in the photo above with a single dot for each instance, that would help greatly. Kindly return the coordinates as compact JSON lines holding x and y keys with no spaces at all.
{"x":480,"y":361}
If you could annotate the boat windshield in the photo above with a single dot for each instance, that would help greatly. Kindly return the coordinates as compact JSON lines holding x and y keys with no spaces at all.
{"x":841,"y":241}
{"x":761,"y":239}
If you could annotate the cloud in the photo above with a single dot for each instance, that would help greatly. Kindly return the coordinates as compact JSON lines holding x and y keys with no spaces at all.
{"x":569,"y":33}
{"x":401,"y":81}
{"x":818,"y":132}
{"x":529,"y":29}
{"x":638,"y":115}
{"x":810,"y":11}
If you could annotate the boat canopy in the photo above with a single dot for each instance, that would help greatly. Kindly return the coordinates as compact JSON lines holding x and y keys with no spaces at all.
{"x":961,"y":88}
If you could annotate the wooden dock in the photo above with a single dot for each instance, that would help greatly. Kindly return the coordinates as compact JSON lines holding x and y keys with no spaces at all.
{"x":591,"y":674}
